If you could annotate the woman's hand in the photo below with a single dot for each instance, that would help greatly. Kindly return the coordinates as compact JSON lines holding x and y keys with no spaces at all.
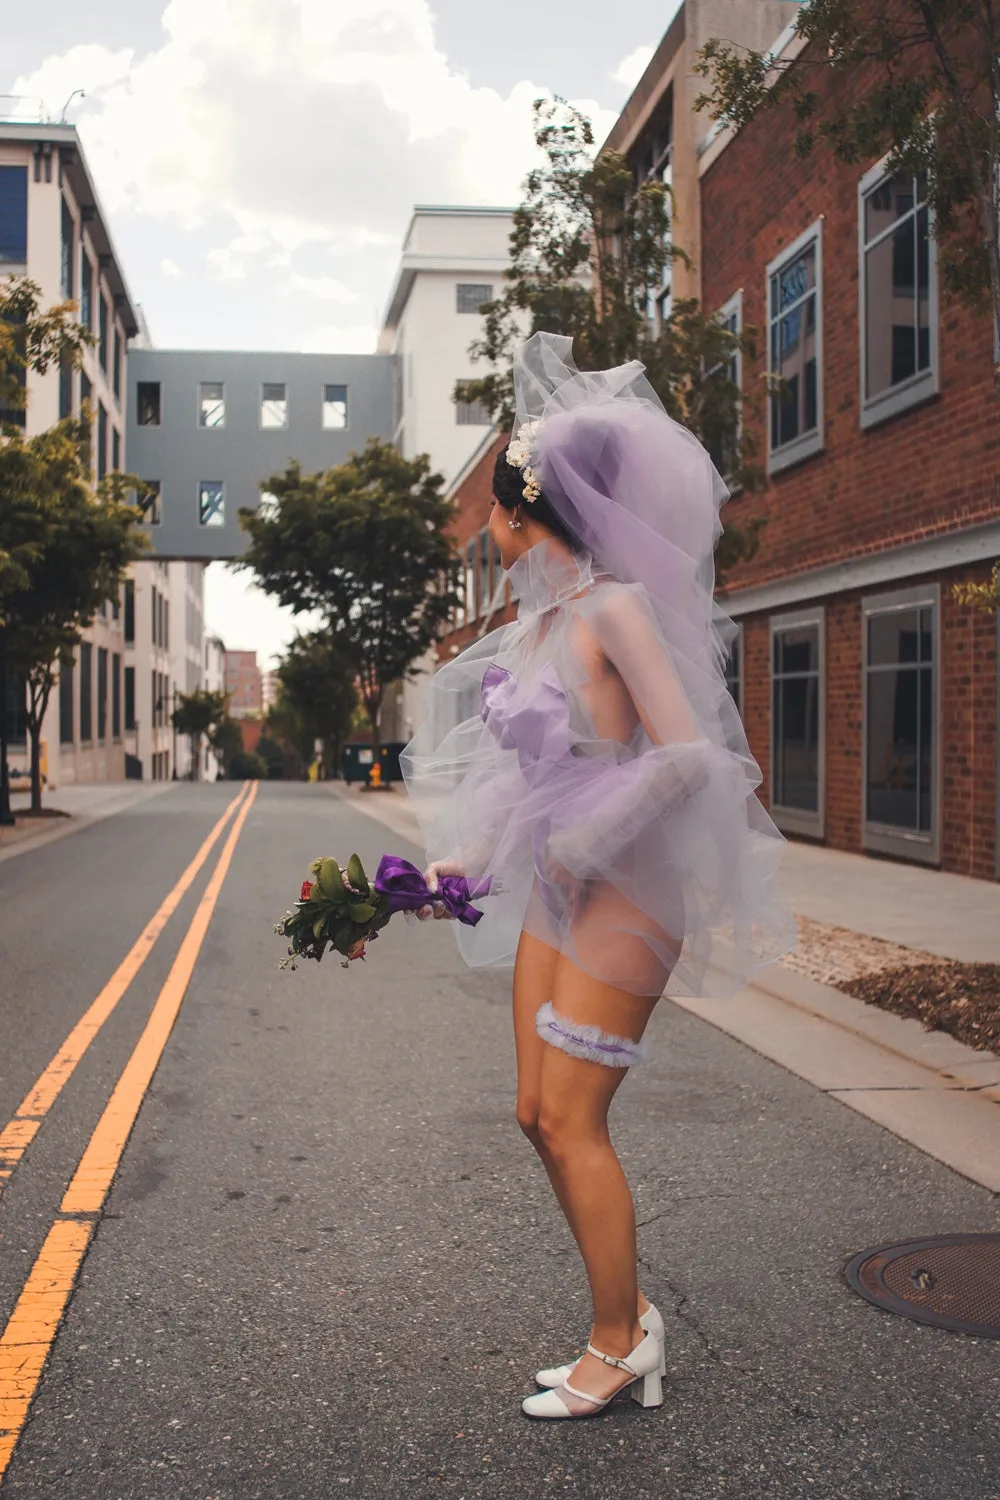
{"x":432,"y":876}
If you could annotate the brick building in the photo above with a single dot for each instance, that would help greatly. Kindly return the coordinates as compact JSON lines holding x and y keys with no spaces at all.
{"x":869,"y":695}
{"x":243,"y":684}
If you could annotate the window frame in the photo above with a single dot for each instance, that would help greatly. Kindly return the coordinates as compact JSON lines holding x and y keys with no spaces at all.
{"x":260,"y":407}
{"x":465,"y":409}
{"x":882,"y":838}
{"x":797,"y":819}
{"x":741,"y":675}
{"x":466,"y":312}
{"x":924,"y":384}
{"x":814,"y":441}
{"x":22,"y":260}
{"x":207,"y":426}
{"x":334,"y":385}
{"x":159,"y":405}
{"x":67,"y":699}
{"x":208,"y":525}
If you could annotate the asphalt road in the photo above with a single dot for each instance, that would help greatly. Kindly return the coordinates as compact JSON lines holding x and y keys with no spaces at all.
{"x":329,"y":1262}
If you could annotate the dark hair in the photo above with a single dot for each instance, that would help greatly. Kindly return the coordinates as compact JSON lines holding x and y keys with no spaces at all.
{"x":508,"y":491}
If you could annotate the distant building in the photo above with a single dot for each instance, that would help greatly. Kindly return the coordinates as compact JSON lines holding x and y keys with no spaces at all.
{"x":269,"y":686}
{"x":208,"y":429}
{"x":214,"y":682}
{"x":453,"y":260}
{"x":244,"y":684}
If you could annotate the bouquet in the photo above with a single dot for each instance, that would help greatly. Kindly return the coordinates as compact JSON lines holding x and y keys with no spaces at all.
{"x":342,"y":910}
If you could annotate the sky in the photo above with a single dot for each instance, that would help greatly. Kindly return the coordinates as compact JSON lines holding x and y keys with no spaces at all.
{"x":258,"y":160}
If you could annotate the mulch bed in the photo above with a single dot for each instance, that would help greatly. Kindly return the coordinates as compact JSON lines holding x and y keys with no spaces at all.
{"x":962,"y":999}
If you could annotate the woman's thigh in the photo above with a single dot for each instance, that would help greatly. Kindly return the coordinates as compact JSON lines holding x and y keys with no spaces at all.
{"x":575,"y":1093}
{"x":534,"y":979}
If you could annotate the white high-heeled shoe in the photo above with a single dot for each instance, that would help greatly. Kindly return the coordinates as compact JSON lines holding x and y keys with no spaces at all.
{"x":650,"y":1322}
{"x":643,"y":1367}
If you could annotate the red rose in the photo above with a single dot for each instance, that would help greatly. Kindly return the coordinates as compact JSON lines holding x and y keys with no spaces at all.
{"x":306,"y":890}
{"x":357,"y":950}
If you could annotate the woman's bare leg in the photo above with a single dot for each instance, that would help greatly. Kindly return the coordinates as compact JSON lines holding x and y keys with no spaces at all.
{"x":574,"y":1098}
{"x":535,"y":983}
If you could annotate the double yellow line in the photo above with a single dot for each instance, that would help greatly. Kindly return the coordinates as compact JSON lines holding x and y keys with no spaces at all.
{"x":31,"y":1329}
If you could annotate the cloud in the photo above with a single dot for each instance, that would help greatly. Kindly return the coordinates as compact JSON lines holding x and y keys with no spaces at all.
{"x":331,"y":338}
{"x":325,"y":288}
{"x":632,"y":67}
{"x":295,"y":123}
{"x":171,"y":268}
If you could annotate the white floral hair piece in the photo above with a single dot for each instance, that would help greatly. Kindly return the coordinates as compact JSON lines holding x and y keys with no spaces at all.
{"x":519,"y":451}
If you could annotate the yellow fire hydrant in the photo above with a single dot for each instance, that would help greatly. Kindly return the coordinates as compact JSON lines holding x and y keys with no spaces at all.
{"x":375,"y":776}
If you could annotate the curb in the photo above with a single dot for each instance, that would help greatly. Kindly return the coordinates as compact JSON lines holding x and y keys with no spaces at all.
{"x":925,"y":1087}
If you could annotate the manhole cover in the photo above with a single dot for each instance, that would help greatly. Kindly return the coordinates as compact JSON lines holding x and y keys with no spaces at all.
{"x":951,"y":1281}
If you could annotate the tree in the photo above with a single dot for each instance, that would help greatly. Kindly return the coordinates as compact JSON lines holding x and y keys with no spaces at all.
{"x":31,"y":341}
{"x":317,"y":698}
{"x":588,"y":251}
{"x":194,"y":715}
{"x":74,"y":546}
{"x":366,"y":545}
{"x":919,"y":79}
{"x":226,"y":740}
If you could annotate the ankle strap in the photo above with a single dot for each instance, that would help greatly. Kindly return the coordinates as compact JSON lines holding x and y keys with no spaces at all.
{"x":609,"y":1359}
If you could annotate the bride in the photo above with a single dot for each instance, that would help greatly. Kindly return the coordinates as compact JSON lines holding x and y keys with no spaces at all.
{"x":604,"y":789}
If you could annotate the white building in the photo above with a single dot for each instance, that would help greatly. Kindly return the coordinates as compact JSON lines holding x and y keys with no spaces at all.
{"x":53,"y":230}
{"x":214,"y":682}
{"x":453,"y":261}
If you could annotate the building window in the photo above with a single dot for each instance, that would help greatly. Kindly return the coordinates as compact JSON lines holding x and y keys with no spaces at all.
{"x":65,"y":388}
{"x":797,"y":722}
{"x":152,"y":505}
{"x":470,"y":296}
{"x":66,"y":725}
{"x":148,"y":403}
{"x":898,"y":291}
{"x":723,"y":447}
{"x":795,"y":351}
{"x":334,"y":406}
{"x":734,"y":669}
{"x":130,"y":697}
{"x":86,"y":691}
{"x":102,"y":330}
{"x":154,"y":615}
{"x":17,"y":709}
{"x":211,"y":503}
{"x":102,"y":692}
{"x":129,"y":612}
{"x":116,"y":449}
{"x":116,"y":697}
{"x":470,"y":581}
{"x":102,"y":441}
{"x":273,"y":406}
{"x":14,"y":215}
{"x":470,"y":413}
{"x":211,"y":404}
{"x":86,"y":289}
{"x":900,"y":721}
{"x":66,"y":252}
{"x":485,"y":586}
{"x":117,"y":373}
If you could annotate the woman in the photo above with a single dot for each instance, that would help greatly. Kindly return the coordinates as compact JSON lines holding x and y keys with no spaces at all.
{"x":589,"y":764}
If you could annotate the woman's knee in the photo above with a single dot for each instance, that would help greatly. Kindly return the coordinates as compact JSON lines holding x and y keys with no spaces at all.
{"x":527,"y":1118}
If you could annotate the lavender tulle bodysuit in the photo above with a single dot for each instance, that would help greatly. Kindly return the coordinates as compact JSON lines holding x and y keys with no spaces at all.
{"x":581,"y":787}
{"x":588,"y":760}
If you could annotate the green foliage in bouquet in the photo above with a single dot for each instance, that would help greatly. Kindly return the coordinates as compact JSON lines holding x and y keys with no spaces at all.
{"x":336,"y":909}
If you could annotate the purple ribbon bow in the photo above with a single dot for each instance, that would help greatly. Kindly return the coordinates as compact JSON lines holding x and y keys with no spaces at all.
{"x":405,"y":889}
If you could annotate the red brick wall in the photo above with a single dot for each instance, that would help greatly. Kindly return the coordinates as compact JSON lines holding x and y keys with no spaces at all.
{"x":473,"y":499}
{"x":932,"y":469}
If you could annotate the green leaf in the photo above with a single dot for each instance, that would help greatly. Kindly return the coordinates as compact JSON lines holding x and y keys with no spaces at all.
{"x":356,"y":875}
{"x":319,"y":927}
{"x":329,"y":880}
{"x":361,"y":912}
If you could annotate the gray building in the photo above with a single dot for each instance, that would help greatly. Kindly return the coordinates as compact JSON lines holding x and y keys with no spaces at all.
{"x":209,"y":429}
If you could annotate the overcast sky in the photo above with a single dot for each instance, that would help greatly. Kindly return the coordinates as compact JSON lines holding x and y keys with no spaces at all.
{"x":258,"y":159}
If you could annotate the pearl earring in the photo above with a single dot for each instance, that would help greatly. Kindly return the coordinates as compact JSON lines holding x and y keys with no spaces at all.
{"x":514,"y":525}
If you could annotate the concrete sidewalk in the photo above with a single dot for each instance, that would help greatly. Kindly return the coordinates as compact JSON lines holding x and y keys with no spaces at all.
{"x":952,"y":916}
{"x":82,"y":805}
